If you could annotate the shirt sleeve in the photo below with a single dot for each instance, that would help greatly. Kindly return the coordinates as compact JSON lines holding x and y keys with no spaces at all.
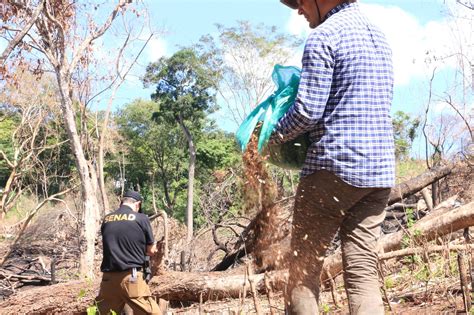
{"x":149,"y":239}
{"x":313,"y":91}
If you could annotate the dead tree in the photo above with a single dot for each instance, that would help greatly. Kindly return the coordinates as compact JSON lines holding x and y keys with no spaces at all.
{"x":65,"y":54}
{"x":31,"y":112}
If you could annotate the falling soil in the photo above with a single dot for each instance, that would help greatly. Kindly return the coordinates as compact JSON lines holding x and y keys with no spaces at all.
{"x":260,"y":193}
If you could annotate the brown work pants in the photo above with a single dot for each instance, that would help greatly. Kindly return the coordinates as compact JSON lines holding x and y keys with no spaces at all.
{"x":116,"y":289}
{"x":324,"y":203}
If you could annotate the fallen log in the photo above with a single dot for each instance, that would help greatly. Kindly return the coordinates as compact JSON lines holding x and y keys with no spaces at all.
{"x":179,"y":286}
{"x":428,"y":228}
{"x":6,"y":275}
{"x":66,"y":298}
{"x":77,"y":296}
{"x":397,"y":194}
{"x":420,"y":250}
{"x":424,"y":230}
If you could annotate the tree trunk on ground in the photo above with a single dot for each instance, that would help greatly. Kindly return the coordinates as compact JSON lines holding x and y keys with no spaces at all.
{"x":182,"y":286}
{"x":416,"y":184}
{"x":429,"y":228}
{"x":192,"y":165}
{"x":76,"y":296}
{"x":89,"y":197}
{"x":424,"y":230}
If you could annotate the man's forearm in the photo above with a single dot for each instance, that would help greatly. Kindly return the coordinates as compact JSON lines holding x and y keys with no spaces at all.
{"x":291,"y":126}
{"x":151,"y":249}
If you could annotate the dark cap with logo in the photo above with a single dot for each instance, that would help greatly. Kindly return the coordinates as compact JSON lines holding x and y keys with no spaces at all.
{"x":133,"y":194}
{"x":291,"y":3}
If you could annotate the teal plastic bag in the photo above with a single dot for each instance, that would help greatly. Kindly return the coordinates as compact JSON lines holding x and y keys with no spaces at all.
{"x":289,"y":155}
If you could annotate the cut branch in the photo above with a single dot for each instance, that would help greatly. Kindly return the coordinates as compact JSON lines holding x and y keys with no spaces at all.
{"x":427,"y":229}
{"x":421,"y":250}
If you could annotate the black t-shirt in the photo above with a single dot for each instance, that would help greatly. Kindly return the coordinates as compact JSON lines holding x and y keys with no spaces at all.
{"x":125,"y":234}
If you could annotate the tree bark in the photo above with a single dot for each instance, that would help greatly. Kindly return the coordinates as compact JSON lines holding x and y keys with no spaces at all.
{"x":89,"y":197}
{"x":192,"y":165}
{"x":416,"y":184}
{"x":428,"y":228}
{"x":6,"y":192}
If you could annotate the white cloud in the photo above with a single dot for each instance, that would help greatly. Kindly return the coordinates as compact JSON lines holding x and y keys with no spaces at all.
{"x":417,"y":48}
{"x":439,"y":107}
{"x":297,"y":24}
{"x":156,"y":49}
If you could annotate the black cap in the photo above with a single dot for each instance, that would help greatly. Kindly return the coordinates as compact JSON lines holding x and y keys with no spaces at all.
{"x":133,"y":194}
{"x":291,"y":3}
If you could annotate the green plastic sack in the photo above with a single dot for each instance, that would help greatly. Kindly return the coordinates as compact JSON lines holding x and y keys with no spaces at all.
{"x":291,"y":154}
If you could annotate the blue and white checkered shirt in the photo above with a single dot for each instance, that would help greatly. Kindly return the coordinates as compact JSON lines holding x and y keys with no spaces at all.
{"x":344,"y":100}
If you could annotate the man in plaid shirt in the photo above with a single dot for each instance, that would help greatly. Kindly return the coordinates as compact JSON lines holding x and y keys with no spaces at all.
{"x":343,"y":103}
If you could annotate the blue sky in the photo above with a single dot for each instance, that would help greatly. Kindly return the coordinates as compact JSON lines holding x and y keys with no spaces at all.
{"x":419,"y":31}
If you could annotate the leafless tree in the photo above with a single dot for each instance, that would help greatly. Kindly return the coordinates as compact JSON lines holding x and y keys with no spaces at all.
{"x":32,"y":112}
{"x":246,"y":55}
{"x":61,"y":38}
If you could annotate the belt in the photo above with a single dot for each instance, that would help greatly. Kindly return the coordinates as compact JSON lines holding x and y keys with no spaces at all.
{"x":127,"y":270}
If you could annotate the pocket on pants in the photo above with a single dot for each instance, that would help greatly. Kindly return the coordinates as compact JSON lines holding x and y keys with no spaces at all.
{"x":136,"y":288}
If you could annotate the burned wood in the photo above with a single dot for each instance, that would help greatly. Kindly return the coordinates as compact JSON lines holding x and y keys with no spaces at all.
{"x":400,"y":206}
{"x":7,"y":275}
{"x":219,"y":244}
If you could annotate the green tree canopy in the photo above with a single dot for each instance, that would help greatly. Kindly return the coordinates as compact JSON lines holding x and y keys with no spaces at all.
{"x":404,"y":127}
{"x":184,"y":86}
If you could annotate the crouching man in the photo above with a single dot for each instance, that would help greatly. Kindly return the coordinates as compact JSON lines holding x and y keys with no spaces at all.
{"x":127,"y":238}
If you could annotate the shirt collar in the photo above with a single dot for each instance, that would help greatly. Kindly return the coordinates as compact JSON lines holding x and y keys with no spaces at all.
{"x":125,"y":207}
{"x":338,"y":8}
